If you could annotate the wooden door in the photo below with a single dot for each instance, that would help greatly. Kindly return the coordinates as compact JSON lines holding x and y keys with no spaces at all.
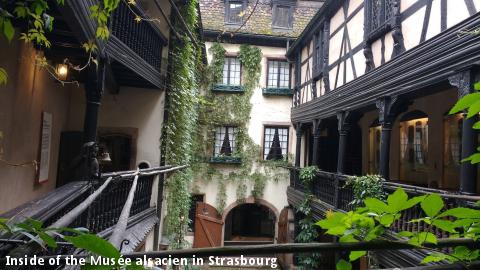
{"x":286,"y":231}
{"x":208,"y":226}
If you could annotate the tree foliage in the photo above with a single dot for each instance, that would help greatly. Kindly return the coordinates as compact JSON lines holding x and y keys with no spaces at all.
{"x":470,"y":104}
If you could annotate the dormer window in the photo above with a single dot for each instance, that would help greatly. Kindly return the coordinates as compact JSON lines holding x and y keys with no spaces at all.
{"x":234,"y":11}
{"x":282,"y":14}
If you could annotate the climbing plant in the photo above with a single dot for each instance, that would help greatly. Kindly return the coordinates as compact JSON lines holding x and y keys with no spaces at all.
{"x":179,"y":130}
{"x":232,"y":110}
{"x":367,"y":186}
{"x":308,"y":231}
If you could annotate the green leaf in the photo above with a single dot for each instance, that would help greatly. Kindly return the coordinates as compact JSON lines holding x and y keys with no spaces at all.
{"x":461,"y":212}
{"x":332,"y":221}
{"x":50,"y":241}
{"x":413,"y":201}
{"x":387,"y":220}
{"x":376,"y":205}
{"x":423,"y":237}
{"x":3,"y":76}
{"x":476,"y":125}
{"x":465,"y":102}
{"x":397,"y":200}
{"x":432,"y":204}
{"x":405,"y":234}
{"x":476,"y":86}
{"x":344,"y":265}
{"x":474,"y":109}
{"x":355,"y":255}
{"x":94,"y":244}
{"x":8,"y":29}
{"x":338,"y":230}
{"x":434,"y":257}
{"x":445,"y":225}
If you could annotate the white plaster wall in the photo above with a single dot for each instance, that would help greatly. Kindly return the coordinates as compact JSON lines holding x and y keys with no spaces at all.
{"x":30,"y":91}
{"x":265,"y":111}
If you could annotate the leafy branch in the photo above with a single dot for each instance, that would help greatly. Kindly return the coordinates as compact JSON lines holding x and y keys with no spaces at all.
{"x":370,"y":223}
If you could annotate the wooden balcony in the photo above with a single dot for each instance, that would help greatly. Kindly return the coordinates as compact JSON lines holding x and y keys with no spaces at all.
{"x":331,"y":192}
{"x":116,"y":207}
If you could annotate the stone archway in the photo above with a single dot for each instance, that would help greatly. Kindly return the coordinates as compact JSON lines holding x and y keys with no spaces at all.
{"x":253,"y":221}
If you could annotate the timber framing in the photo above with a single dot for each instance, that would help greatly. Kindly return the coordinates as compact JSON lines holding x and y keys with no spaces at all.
{"x":430,"y":63}
{"x":247,"y":38}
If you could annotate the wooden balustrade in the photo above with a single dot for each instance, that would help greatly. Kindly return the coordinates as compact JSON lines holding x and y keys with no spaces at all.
{"x":332,"y":190}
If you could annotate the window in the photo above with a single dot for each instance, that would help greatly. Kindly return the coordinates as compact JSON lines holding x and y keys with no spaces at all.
{"x":414,"y":147}
{"x":318,"y":58}
{"x":275,"y":143}
{"x":282,"y":16}
{"x":379,"y":11}
{"x":234,"y":12}
{"x":278,"y":74}
{"x":231,"y":71}
{"x":225,"y":141}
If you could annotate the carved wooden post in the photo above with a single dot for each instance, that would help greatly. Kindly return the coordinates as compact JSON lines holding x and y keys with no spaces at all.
{"x":468,"y":172}
{"x":298,"y":149}
{"x":397,"y":34}
{"x":386,"y":118}
{"x":94,"y":88}
{"x":326,"y":51}
{"x":316,"y":141}
{"x":343,"y":129}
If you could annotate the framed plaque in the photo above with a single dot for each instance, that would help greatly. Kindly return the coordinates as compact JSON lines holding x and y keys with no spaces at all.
{"x":45,"y":147}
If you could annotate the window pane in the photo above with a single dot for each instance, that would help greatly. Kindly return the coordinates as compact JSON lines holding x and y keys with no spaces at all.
{"x":235,"y":10}
{"x":225,"y":71}
{"x":275,"y":143}
{"x":278,"y":74}
{"x":234,"y":71}
{"x":220,"y":134}
{"x":282,"y":16}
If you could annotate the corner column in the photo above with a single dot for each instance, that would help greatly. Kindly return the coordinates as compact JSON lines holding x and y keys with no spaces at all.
{"x":316,"y":141}
{"x":343,"y":129}
{"x":468,"y":172}
{"x":94,"y":88}
{"x":298,"y":147}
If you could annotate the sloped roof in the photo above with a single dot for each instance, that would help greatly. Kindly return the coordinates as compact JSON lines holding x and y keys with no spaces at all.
{"x":260,"y":22}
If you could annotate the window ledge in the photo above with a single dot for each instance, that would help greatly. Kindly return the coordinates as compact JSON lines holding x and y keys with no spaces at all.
{"x":226,"y":160}
{"x":277,"y":92}
{"x":228,"y":88}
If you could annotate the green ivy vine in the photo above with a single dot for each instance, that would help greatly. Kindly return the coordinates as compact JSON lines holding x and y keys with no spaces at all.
{"x":308,"y":231}
{"x":232,"y":110}
{"x":179,"y":130}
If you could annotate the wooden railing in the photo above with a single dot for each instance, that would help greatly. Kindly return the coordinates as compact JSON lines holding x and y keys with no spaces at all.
{"x":104,"y":212}
{"x":142,"y":37}
{"x":331,"y":189}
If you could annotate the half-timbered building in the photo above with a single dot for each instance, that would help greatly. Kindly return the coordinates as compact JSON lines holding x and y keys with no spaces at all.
{"x":374,"y":82}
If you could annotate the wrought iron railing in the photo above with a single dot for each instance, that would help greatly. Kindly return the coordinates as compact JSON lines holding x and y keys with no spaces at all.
{"x":142,"y":37}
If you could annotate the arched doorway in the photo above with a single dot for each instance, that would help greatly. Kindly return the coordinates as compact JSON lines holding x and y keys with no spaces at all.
{"x":249,"y":224}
